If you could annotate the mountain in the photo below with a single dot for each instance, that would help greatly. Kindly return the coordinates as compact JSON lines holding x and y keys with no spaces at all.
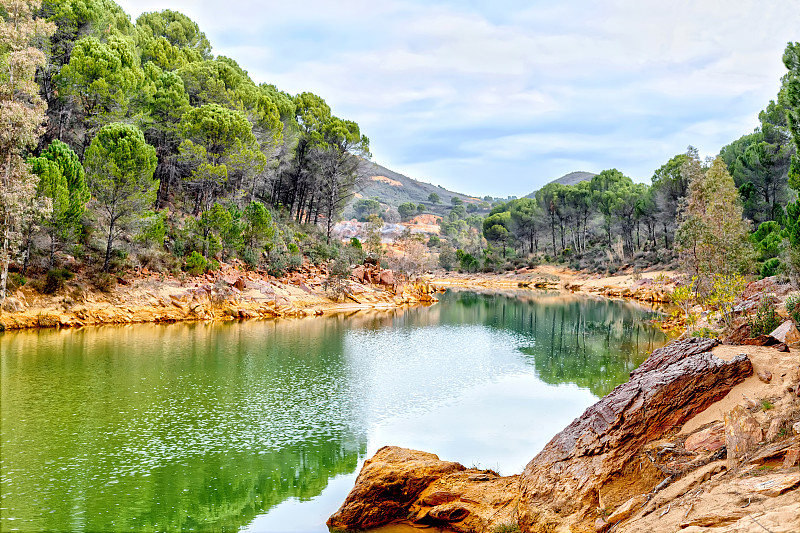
{"x":570,"y":179}
{"x":392,"y":189}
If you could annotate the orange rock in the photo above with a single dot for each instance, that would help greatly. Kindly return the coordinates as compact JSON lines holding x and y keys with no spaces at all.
{"x":709,"y":439}
{"x":742,"y":433}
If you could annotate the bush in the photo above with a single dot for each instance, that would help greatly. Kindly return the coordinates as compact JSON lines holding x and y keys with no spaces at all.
{"x":15,"y":281}
{"x":55,"y":279}
{"x":770,"y":267}
{"x":765,"y":319}
{"x":104,"y":282}
{"x":196,"y":264}
{"x":793,"y":307}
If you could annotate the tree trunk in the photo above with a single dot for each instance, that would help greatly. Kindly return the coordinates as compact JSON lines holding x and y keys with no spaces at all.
{"x":108,"y":247}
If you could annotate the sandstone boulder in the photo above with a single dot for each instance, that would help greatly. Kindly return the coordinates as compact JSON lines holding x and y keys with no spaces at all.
{"x":13,"y":305}
{"x":710,"y":439}
{"x":786,"y":333}
{"x":386,"y":277}
{"x":674,"y":352}
{"x":387,"y":485}
{"x":587,"y":465}
{"x":742,"y":433}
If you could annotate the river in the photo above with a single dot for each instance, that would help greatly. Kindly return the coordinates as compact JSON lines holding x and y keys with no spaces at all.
{"x":262,"y":425}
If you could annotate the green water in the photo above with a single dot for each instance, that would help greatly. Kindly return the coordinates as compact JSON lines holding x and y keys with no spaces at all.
{"x":262,"y":425}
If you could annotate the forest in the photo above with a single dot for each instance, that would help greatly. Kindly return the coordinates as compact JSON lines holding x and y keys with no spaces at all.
{"x":129,"y":144}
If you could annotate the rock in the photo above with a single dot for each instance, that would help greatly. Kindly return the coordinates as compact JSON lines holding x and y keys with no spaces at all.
{"x":742,"y":433}
{"x":674,"y":352}
{"x":781,"y":347}
{"x":775,"y":427}
{"x":709,"y":439}
{"x":791,"y":457}
{"x":468,"y":502}
{"x":13,"y":305}
{"x":764,"y":375}
{"x":786,"y":333}
{"x":358,"y":273}
{"x":761,"y":340}
{"x":386,"y":277}
{"x":592,"y":457}
{"x":387,"y":485}
{"x":771,"y":485}
{"x":624,"y":511}
{"x":796,"y":428}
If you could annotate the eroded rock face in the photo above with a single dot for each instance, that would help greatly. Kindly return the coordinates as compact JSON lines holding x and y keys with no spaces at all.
{"x":742,"y":433}
{"x":563,"y":483}
{"x":674,"y":352}
{"x":710,"y":439}
{"x":387,"y":485}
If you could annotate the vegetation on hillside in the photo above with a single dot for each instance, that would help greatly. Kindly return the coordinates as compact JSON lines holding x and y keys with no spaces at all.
{"x":130,"y":144}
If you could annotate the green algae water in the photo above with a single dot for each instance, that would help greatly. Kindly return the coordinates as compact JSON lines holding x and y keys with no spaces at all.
{"x":262,"y":425}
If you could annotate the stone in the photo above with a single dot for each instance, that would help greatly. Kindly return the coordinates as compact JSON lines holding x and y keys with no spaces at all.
{"x":674,"y":352}
{"x":13,"y":305}
{"x":386,"y":277}
{"x":387,"y":485}
{"x":774,"y":430}
{"x":742,"y":433}
{"x":791,"y":458}
{"x":358,"y":273}
{"x":762,"y":340}
{"x":764,"y":375}
{"x":786,"y":333}
{"x":771,"y":485}
{"x":592,"y":457}
{"x":710,"y":439}
{"x":624,"y":511}
{"x":782,"y":347}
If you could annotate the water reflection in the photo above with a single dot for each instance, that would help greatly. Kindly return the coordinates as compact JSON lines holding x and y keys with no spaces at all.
{"x":205,"y":427}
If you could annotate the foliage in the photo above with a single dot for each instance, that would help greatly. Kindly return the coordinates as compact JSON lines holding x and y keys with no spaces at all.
{"x":765,"y":319}
{"x":196,"y":264}
{"x":684,"y":297}
{"x":790,"y":100}
{"x":793,"y":307}
{"x":434,"y":198}
{"x":725,"y":289}
{"x":21,"y":113}
{"x":713,"y":236}
{"x":55,"y":279}
{"x":119,"y":170}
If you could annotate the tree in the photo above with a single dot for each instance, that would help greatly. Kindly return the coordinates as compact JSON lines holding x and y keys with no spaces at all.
{"x":220,"y":148}
{"x":455,"y":200}
{"x":790,"y":98}
{"x":22,"y":112}
{"x":119,"y":170}
{"x":434,"y":198}
{"x":525,"y":215}
{"x":670,"y":187}
{"x":366,"y":207}
{"x":61,"y":181}
{"x":407,"y":210}
{"x":713,"y":237}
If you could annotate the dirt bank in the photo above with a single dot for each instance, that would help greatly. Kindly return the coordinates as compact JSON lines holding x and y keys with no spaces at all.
{"x":231,"y":293}
{"x":654,"y":287}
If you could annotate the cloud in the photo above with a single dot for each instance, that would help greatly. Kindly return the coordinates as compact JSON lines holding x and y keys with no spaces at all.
{"x":501,"y":97}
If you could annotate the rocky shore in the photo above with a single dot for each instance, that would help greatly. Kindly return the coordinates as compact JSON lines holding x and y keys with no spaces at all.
{"x":229,"y":294}
{"x":650,"y":287}
{"x":704,"y":437}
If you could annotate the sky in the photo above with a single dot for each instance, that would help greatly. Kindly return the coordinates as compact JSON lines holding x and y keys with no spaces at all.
{"x":500,"y":97}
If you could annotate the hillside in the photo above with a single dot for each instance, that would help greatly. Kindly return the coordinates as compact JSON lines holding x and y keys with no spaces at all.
{"x":569,"y":179}
{"x":392,"y":189}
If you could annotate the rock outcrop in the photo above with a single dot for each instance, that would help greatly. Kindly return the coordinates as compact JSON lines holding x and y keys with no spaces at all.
{"x":591,"y":464}
{"x":387,"y":485}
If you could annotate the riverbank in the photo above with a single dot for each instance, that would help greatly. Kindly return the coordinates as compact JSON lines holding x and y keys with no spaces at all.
{"x":652,"y":287}
{"x":235,"y":293}
{"x":229,"y":294}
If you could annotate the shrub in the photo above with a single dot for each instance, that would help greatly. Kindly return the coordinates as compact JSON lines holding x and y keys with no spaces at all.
{"x":15,"y":281}
{"x":793,"y":307}
{"x":55,"y":279}
{"x":724,"y":292}
{"x":196,"y":264}
{"x":104,"y":282}
{"x":765,"y":319}
{"x":770,"y":267}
